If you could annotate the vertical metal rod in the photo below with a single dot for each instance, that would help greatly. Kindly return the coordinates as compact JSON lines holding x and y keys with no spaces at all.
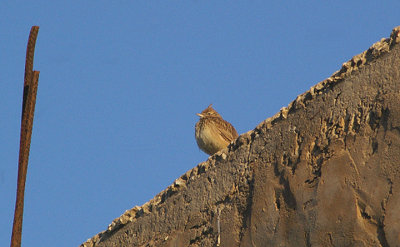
{"x":219,"y":227}
{"x":31,"y":80}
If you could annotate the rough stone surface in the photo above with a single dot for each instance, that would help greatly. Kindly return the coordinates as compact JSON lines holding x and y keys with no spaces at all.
{"x":322,"y":172}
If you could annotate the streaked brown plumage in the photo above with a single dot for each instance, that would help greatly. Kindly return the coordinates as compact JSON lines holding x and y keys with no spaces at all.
{"x":212,"y":132}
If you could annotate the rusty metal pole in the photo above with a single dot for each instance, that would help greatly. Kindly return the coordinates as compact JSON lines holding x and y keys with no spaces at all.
{"x":28,"y":108}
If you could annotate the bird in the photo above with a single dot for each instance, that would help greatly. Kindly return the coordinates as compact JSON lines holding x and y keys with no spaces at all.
{"x":212,"y":132}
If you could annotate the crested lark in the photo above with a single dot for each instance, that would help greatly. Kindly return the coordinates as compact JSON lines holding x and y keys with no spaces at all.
{"x":213,"y":133}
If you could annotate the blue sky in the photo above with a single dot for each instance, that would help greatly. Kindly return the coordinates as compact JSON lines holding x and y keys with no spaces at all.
{"x":121,"y":81}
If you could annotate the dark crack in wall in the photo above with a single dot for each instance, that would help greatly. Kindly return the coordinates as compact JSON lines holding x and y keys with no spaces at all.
{"x":324,"y":171}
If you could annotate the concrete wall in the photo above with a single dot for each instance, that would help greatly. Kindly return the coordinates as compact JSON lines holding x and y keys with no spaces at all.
{"x":325,"y":171}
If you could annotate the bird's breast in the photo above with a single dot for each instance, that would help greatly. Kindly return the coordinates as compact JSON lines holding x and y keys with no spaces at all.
{"x":208,"y":139}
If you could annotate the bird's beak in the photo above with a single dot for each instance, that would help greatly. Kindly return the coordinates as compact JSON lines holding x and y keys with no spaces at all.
{"x":198,"y":114}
